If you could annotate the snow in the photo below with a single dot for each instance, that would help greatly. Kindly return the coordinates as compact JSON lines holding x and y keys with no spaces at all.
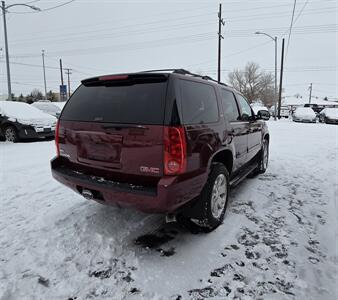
{"x":257,"y":108}
{"x":47,"y":107}
{"x":331,"y":113}
{"x":60,"y":104}
{"x":25,"y":113}
{"x":278,"y":240}
{"x":302,"y":101}
{"x":305,"y":112}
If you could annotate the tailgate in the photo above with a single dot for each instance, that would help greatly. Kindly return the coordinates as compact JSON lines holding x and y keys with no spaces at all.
{"x":127,"y":149}
{"x":116,"y":123}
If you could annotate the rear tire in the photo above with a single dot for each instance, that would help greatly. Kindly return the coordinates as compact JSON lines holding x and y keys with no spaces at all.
{"x":11,"y":134}
{"x":212,"y":201}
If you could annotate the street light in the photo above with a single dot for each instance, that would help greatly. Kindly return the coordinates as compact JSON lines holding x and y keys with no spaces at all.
{"x":4,"y":9}
{"x":275,"y":40}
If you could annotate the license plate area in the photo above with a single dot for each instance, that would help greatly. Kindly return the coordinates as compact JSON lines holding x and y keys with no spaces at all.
{"x":100,"y":149}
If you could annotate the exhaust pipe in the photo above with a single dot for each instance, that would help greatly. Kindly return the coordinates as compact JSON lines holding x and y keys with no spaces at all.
{"x":87,"y":194}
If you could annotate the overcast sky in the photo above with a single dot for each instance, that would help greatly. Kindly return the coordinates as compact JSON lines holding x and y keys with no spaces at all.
{"x":104,"y":37}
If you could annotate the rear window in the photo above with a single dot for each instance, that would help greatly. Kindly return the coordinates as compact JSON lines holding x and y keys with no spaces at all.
{"x":130,"y":104}
{"x":199,"y":103}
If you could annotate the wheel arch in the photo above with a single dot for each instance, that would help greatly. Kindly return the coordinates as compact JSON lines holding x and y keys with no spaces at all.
{"x":224,"y":156}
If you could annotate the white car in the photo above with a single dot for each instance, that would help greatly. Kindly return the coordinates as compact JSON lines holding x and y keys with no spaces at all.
{"x":329,"y":116}
{"x":304,"y":114}
{"x":19,"y":120}
{"x":60,"y":104}
{"x":47,"y":107}
{"x":284,"y":112}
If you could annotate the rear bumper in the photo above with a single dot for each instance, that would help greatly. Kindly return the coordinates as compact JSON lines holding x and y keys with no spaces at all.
{"x":28,"y":132}
{"x":304,"y":120}
{"x":168,"y":196}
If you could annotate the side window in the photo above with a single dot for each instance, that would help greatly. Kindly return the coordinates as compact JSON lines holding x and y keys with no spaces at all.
{"x":245,"y":108}
{"x":199,"y":103}
{"x":230,"y":107}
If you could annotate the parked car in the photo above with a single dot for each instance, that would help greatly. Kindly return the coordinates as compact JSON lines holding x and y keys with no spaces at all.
{"x":261,"y":111}
{"x":20,"y":120}
{"x":171,"y":143}
{"x":304,"y":114}
{"x":284,"y":112}
{"x":329,"y":115}
{"x":60,"y":104}
{"x":47,"y":107}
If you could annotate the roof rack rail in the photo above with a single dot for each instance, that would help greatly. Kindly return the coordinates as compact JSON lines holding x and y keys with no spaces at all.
{"x":185,"y":72}
{"x":179,"y":71}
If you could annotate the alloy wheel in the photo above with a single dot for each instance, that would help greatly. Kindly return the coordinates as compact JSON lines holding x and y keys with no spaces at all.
{"x":10,"y":134}
{"x":219,"y":196}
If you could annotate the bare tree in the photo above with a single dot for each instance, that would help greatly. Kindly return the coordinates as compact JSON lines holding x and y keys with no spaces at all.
{"x":36,"y":95}
{"x":254,"y":83}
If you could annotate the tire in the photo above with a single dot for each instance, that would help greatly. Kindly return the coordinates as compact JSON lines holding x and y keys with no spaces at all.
{"x":263,"y":159}
{"x":11,"y":134}
{"x":212,"y":202}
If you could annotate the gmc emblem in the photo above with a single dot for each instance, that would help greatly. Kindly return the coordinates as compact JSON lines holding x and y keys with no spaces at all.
{"x":151,"y":170}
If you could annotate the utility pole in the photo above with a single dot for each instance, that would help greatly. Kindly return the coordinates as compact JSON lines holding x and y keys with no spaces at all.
{"x":275,"y":40}
{"x":44,"y":72}
{"x":9,"y":86}
{"x":310,"y":88}
{"x":281,"y":80}
{"x":4,"y":10}
{"x":62,"y":97}
{"x":68,"y":72}
{"x":220,"y":37}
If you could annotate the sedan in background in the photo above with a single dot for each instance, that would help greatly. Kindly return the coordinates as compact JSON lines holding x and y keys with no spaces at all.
{"x":304,"y":114}
{"x":329,"y":116}
{"x":19,"y":120}
{"x":47,"y":107}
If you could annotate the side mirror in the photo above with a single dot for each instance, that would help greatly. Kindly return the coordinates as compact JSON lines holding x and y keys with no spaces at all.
{"x":263,"y":115}
{"x":57,"y":115}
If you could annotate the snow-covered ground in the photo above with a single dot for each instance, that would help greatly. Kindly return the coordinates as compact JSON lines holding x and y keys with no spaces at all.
{"x":278,"y":240}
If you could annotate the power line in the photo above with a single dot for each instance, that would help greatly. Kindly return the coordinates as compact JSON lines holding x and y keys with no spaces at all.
{"x":172,"y":19}
{"x":301,"y":11}
{"x":197,"y":38}
{"x":115,"y":31}
{"x":43,"y":10}
{"x":291,"y":24}
{"x":47,"y":67}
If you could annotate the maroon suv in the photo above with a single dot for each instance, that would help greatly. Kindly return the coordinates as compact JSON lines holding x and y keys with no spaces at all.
{"x":162,"y":142}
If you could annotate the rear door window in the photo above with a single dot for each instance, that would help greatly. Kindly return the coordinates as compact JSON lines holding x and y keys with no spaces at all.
{"x":130,"y":104}
{"x":199,"y":103}
{"x":230,"y":107}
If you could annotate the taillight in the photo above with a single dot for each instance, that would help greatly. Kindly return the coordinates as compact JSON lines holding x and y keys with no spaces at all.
{"x":175,"y":151}
{"x":57,"y":138}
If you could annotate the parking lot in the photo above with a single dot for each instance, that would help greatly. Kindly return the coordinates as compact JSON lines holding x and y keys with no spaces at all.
{"x":278,"y":240}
